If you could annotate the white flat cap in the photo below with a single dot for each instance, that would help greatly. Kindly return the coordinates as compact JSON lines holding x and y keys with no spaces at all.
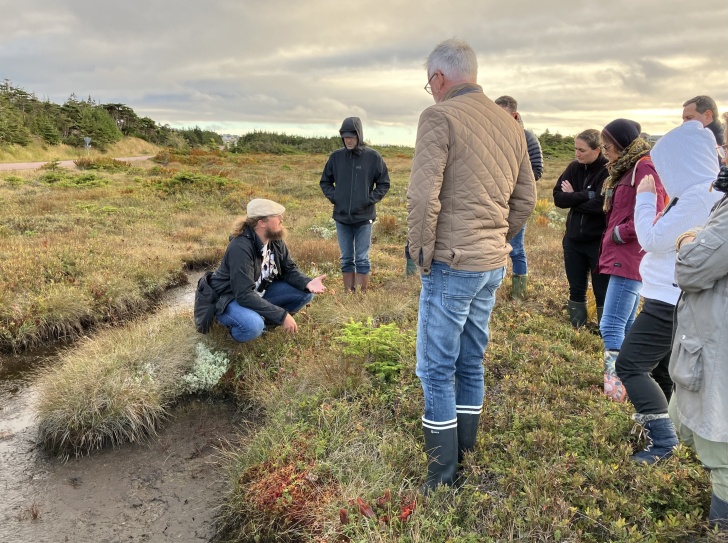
{"x":264,"y":208}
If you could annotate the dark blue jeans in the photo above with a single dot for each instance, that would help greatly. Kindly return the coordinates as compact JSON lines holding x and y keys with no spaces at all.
{"x":245,"y":324}
{"x":354,"y":243}
{"x":518,"y":254}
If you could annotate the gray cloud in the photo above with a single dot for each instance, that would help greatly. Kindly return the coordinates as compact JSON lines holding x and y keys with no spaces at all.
{"x":277,"y":63}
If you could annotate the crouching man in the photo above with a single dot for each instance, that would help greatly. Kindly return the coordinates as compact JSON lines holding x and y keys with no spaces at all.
{"x":471,"y":189}
{"x":257,"y":281}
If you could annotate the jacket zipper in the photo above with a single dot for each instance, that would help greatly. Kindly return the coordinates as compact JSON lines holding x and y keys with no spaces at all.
{"x":581,"y":221}
{"x":351,"y":191}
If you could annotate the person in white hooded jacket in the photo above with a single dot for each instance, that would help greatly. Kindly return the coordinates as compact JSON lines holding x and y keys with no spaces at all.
{"x":685,"y":159}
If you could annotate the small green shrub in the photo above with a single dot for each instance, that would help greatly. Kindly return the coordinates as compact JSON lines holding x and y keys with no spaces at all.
{"x":102,"y":163}
{"x":52,"y":177}
{"x":85,"y":181}
{"x":186,"y":181}
{"x":14,"y":181}
{"x":383,"y":347}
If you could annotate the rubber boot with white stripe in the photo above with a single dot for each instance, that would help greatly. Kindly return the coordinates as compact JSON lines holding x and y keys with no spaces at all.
{"x":468,"y":423}
{"x":441,"y":446}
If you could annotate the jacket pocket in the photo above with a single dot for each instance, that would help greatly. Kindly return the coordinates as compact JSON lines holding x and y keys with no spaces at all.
{"x":705,"y":244}
{"x":459,"y":288}
{"x":686,"y":365}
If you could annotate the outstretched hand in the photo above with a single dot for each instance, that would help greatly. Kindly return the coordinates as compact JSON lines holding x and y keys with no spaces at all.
{"x":316,"y":285}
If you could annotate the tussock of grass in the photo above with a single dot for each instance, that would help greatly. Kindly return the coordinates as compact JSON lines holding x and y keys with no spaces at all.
{"x":115,"y":387}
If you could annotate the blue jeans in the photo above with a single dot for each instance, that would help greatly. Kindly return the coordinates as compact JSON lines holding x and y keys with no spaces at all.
{"x":245,"y":324}
{"x":354,"y":243}
{"x":518,"y":254}
{"x":620,"y":308}
{"x":452,"y":334}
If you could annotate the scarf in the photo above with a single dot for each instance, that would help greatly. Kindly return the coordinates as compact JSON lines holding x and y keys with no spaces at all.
{"x":626,"y":161}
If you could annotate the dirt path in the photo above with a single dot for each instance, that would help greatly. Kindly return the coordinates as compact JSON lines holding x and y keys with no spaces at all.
{"x":64,"y":164}
{"x":166,"y":489}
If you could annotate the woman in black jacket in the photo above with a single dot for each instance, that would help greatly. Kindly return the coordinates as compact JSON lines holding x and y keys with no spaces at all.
{"x":579,"y":189}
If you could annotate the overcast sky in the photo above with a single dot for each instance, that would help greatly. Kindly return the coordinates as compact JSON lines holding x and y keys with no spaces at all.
{"x":302,"y":67}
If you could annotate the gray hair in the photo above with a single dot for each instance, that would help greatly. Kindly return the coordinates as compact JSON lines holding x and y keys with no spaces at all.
{"x":455,"y":59}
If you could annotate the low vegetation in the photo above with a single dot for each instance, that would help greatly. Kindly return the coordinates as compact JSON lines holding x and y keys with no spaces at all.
{"x":337,"y":451}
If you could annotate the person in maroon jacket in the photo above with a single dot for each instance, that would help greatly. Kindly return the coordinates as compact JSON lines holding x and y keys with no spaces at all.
{"x":621,"y":253}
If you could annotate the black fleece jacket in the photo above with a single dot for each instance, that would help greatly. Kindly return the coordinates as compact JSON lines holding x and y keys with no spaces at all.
{"x":240,"y":269}
{"x":586,"y":220}
{"x":354,"y":181}
{"x":718,"y":130}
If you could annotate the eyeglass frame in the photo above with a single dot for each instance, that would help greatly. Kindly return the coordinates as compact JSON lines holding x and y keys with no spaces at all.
{"x":428,"y":87}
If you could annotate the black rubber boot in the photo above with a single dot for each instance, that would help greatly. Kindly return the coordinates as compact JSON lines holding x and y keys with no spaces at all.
{"x":441,"y":447}
{"x":600,"y":312}
{"x":718,"y":514}
{"x":578,"y":313}
{"x":467,"y":433}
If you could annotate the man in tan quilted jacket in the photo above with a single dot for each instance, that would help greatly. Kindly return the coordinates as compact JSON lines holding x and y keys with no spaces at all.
{"x":471,"y":190}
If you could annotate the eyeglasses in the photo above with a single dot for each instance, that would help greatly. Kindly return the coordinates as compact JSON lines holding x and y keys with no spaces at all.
{"x":606,"y":148}
{"x":722,"y":149}
{"x":428,"y":87}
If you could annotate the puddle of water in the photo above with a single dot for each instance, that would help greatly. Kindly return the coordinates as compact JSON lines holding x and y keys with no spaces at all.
{"x":163,"y":490}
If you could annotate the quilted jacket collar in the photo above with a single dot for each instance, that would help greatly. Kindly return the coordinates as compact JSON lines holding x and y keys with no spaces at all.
{"x":457,"y":88}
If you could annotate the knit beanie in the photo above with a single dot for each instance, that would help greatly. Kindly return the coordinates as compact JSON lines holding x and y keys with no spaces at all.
{"x":623,"y":131}
{"x":686,"y":157}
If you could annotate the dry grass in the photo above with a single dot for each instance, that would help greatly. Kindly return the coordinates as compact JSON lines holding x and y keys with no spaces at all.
{"x":73,"y":257}
{"x":115,"y":387}
{"x":36,"y":152}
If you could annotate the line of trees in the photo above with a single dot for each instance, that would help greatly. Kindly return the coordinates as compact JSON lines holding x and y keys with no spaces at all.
{"x":24,"y":117}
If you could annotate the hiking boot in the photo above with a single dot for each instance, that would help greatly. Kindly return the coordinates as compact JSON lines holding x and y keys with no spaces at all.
{"x":519,"y":284}
{"x":578,"y":313}
{"x":362,"y":282}
{"x":441,"y":447}
{"x":661,"y":438}
{"x":718,"y":514}
{"x":467,"y":432}
{"x":349,"y":278}
{"x":613,"y":387}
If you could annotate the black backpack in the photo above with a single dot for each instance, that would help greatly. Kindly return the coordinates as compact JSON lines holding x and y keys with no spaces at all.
{"x":205,"y":300}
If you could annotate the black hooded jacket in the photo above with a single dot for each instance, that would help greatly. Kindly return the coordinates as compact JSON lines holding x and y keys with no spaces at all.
{"x":718,"y":130}
{"x":240,"y":269}
{"x":586,"y":220}
{"x":354,"y":181}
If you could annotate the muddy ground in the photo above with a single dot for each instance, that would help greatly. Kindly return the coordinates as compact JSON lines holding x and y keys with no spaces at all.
{"x":166,"y":489}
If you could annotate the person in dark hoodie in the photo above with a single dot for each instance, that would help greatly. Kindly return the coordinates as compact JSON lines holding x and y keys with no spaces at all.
{"x":579,"y":189}
{"x":703,"y":108}
{"x":257,"y":282}
{"x":519,"y":278}
{"x":355,"y":179}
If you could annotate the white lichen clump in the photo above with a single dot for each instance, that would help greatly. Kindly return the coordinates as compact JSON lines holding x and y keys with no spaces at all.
{"x":207,"y":370}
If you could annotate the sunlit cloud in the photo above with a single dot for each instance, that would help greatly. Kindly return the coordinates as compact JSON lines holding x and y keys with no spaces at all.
{"x":301,"y":68}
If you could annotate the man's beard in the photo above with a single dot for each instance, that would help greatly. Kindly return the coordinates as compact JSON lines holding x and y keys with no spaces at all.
{"x":275,"y":236}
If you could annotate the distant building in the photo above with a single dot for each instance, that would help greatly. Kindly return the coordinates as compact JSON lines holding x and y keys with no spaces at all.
{"x":229,"y":138}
